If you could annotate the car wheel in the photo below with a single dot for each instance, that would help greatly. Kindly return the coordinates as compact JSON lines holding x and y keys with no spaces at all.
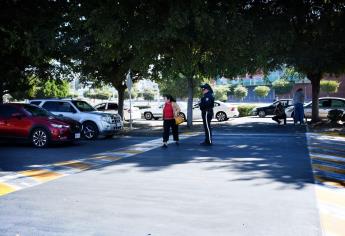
{"x":183,"y":116}
{"x":40,"y":138}
{"x":221,"y":116}
{"x":262,"y":114}
{"x":90,"y":131}
{"x":148,"y":115}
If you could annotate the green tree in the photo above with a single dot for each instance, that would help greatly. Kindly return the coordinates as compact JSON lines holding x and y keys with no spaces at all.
{"x":329,"y":86}
{"x":282,"y":86}
{"x":30,"y":38}
{"x":262,"y":91}
{"x":134,"y":93}
{"x":221,"y":93}
{"x":240,"y":92}
{"x":148,"y":94}
{"x":305,"y":35}
{"x":98,"y":94}
{"x":52,"y":88}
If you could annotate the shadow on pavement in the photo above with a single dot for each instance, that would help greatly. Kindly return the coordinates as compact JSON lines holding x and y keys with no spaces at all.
{"x":268,"y":153}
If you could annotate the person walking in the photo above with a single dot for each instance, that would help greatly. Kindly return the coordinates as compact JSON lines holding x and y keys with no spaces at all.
{"x":298,"y":101}
{"x":206,"y":106}
{"x":279,"y":113}
{"x":170,"y":111}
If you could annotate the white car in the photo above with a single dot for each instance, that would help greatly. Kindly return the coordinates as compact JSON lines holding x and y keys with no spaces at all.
{"x":94,"y":123}
{"x":222,"y":111}
{"x":325,"y":105}
{"x":112,"y":107}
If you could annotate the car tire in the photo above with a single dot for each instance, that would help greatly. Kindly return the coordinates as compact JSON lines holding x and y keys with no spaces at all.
{"x":262,"y":114}
{"x":148,"y":115}
{"x":221,"y":116}
{"x":40,"y":138}
{"x":183,"y":116}
{"x":90,"y":130}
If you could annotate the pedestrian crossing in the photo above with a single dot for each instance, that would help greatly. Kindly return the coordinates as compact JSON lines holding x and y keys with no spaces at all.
{"x":39,"y":174}
{"x":327,"y":155}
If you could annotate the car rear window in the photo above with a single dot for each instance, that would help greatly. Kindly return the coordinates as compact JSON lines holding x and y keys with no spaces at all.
{"x":35,"y":103}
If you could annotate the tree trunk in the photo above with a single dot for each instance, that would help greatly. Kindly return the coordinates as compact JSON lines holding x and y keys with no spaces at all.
{"x":190,"y":102}
{"x":315,"y":83}
{"x":121,"y":98}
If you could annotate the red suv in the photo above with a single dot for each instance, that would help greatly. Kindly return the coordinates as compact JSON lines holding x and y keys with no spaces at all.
{"x":25,"y":121}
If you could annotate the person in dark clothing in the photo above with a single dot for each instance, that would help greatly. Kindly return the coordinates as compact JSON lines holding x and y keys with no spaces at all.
{"x":170,"y":111}
{"x":206,"y":106}
{"x":279,"y":113}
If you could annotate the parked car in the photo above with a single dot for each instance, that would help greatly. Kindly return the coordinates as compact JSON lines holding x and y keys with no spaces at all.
{"x":94,"y":123}
{"x":221,"y":110}
{"x":325,"y":105}
{"x":269,"y":110}
{"x":112,"y":107}
{"x":40,"y":127}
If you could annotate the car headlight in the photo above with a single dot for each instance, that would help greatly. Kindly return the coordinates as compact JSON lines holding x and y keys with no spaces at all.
{"x":106,"y":119}
{"x":59,"y":126}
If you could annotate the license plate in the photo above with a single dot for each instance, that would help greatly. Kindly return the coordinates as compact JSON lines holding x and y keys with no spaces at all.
{"x":77,"y":135}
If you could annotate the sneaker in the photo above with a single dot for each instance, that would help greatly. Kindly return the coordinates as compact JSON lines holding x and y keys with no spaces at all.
{"x":164,"y":145}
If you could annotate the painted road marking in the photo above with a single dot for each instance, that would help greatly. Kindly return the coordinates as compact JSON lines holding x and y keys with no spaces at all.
{"x":41,"y":175}
{"x":5,"y":189}
{"x":44,"y":173}
{"x":328,"y":159}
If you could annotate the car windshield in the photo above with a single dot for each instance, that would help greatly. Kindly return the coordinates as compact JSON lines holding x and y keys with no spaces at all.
{"x":37,"y":111}
{"x":83,"y":106}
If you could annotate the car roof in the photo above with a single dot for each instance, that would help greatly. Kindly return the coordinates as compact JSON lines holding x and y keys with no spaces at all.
{"x":55,"y":100}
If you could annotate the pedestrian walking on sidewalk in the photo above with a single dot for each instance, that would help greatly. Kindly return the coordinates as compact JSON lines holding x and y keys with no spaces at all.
{"x":298,"y":101}
{"x":206,"y":106}
{"x":279,"y":113}
{"x":170,"y":111}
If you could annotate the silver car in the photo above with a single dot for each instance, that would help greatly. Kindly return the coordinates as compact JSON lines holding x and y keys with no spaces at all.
{"x":325,"y":105}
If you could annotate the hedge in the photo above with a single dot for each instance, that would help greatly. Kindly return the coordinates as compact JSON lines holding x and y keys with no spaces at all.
{"x":245,"y":110}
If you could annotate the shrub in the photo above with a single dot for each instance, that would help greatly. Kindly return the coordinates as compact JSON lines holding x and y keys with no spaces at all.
{"x":245,"y":110}
{"x":329,"y":86}
{"x":282,"y":86}
{"x":240,"y":91}
{"x":262,"y":91}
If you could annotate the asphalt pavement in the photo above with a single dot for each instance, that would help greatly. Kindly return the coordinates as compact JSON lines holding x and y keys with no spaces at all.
{"x":255,"y":180}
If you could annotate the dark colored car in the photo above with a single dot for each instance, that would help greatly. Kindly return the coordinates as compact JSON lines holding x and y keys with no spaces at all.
{"x":269,"y":110}
{"x":40,"y":127}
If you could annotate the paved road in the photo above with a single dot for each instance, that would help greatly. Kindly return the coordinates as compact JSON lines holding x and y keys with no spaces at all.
{"x":256,"y":180}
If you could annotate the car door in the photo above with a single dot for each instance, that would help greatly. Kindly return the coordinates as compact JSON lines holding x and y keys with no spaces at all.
{"x":338,"y":104}
{"x":325,"y":105}
{"x":15,"y":123}
{"x":5,"y":113}
{"x":158,"y":111}
{"x":196,"y":112}
{"x":270,"y":109}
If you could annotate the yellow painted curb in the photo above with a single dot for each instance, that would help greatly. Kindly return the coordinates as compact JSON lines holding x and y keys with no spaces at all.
{"x":5,"y":189}
{"x":41,"y":175}
{"x":329,"y":169}
{"x":332,"y":225}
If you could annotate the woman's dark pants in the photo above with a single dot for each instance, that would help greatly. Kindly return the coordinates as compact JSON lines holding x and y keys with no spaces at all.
{"x":167,"y":124}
